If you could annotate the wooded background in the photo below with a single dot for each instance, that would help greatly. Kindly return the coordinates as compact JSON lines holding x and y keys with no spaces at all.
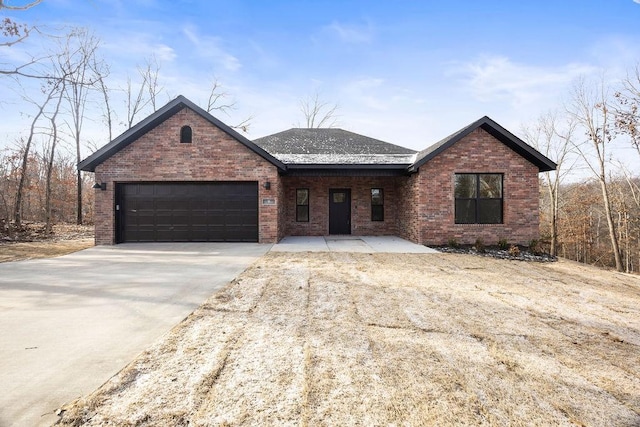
{"x":590,"y":206}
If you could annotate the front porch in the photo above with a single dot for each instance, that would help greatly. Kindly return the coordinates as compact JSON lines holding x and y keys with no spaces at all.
{"x":340,"y":205}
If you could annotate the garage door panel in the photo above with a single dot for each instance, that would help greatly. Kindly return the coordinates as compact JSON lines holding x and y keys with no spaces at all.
{"x":143,"y":191}
{"x":211,"y":211}
{"x":142,"y":235}
{"x":164,"y":204}
{"x":199,"y":219}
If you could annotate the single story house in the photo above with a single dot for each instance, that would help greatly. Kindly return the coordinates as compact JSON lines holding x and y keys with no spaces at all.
{"x":183,"y":175}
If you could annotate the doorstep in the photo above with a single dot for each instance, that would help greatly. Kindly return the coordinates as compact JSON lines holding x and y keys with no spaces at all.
{"x":349,"y":243}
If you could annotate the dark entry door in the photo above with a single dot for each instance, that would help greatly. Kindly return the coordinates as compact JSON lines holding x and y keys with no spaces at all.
{"x":187,"y":212}
{"x":339,"y":211}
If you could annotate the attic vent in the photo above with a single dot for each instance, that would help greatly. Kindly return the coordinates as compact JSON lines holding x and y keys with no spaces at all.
{"x":185,"y":135}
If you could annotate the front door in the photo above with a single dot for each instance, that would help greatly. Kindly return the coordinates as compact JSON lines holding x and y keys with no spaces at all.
{"x":339,"y":211}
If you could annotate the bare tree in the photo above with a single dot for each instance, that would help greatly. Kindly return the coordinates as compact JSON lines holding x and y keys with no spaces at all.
{"x":78,"y":62}
{"x":590,"y":108}
{"x":104,"y":90}
{"x":139,"y":96}
{"x":218,"y":100}
{"x":555,"y":143}
{"x":627,"y":111}
{"x":318,"y":113}
{"x":135,"y":100}
{"x":151,"y":72}
{"x":49,"y":92}
{"x":10,"y":29}
{"x":14,"y":33}
{"x":627,"y":216}
{"x":53,"y":137}
{"x":4,"y":4}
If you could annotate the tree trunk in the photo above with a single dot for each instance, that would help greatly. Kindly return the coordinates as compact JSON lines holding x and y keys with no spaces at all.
{"x":47,"y":200}
{"x":610,"y":224}
{"x":79,"y":200}
{"x":54,"y":140}
{"x":553,"y":195}
{"x":17,"y":211}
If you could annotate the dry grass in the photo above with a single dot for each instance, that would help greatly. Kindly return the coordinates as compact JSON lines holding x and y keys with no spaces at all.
{"x":42,"y":249}
{"x":383,"y":339}
{"x":33,"y":243}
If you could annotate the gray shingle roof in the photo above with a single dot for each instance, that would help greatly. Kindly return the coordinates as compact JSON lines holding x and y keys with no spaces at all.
{"x":332,"y":146}
{"x":322,"y":148}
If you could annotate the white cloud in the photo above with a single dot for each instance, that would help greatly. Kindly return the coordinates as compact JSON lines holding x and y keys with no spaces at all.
{"x":496,"y":78}
{"x":368,"y":92}
{"x":210,"y":48}
{"x":351,"y":33}
{"x":616,"y":52}
{"x":139,"y":45}
{"x":163,"y":52}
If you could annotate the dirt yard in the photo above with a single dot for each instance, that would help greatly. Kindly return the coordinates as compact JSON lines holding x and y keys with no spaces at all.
{"x":388,"y":339}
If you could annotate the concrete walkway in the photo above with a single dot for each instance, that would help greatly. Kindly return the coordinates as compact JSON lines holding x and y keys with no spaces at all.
{"x":366,"y":244}
{"x":68,"y":324}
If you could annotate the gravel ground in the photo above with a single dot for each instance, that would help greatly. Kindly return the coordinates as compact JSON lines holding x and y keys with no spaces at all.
{"x":391,"y":339}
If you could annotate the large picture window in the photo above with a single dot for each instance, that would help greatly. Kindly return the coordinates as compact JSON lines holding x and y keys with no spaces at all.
{"x":302,"y":205}
{"x":377,"y":204}
{"x":478,"y":198}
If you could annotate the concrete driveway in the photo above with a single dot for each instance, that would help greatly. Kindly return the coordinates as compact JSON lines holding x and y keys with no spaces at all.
{"x":68,"y":324}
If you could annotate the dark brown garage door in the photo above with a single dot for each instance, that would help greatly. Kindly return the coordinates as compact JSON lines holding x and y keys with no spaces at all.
{"x":187,"y":212}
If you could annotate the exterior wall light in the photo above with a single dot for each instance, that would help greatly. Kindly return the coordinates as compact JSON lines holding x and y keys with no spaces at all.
{"x":102,"y":186}
{"x":267,"y":185}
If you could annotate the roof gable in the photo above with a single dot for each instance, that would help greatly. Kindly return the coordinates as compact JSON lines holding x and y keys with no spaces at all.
{"x":543,"y":163}
{"x":331,"y":146}
{"x":89,"y":164}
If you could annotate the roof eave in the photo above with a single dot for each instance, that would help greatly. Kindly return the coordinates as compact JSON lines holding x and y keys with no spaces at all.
{"x":399,"y":166}
{"x":127,"y":137}
{"x":543,"y":163}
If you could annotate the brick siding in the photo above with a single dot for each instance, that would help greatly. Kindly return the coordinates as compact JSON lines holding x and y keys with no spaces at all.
{"x":360,"y":187}
{"x":418,"y":207}
{"x":428,"y":215}
{"x":213,"y":155}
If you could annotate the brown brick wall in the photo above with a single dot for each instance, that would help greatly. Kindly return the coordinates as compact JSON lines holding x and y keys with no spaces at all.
{"x":361,"y":223}
{"x":412,"y":195}
{"x":429,"y":217}
{"x":212,"y":156}
{"x":419,"y":207}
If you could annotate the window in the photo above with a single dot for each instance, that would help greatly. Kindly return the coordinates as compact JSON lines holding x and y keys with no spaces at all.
{"x":185,"y":135}
{"x":377,"y":204}
{"x":302,"y":205}
{"x":478,"y":198}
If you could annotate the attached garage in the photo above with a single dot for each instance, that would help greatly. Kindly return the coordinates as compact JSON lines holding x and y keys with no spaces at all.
{"x":187,"y":212}
{"x":181,"y":175}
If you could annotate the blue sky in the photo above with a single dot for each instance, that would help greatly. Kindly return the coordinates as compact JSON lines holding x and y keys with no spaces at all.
{"x":407,"y":72}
